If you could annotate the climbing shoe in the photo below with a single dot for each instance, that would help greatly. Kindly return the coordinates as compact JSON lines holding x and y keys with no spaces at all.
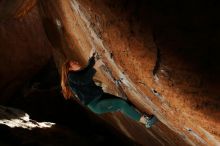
{"x":150,"y":120}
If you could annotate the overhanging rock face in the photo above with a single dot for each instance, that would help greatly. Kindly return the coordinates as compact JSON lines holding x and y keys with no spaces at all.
{"x":15,"y":8}
{"x":24,"y":48}
{"x":162,"y":56}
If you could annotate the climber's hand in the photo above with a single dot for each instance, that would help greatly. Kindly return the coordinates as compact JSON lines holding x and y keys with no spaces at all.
{"x":93,"y":53}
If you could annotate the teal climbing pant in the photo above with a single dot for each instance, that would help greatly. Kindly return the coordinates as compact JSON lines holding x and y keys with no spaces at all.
{"x":110,"y":103}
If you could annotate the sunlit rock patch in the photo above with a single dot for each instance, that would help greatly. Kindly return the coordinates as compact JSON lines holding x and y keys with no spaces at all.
{"x":16,"y":118}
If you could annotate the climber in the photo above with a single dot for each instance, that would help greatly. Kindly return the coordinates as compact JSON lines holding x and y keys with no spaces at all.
{"x":78,"y":82}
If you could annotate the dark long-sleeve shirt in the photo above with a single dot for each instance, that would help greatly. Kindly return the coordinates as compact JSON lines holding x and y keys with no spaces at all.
{"x":82,"y":84}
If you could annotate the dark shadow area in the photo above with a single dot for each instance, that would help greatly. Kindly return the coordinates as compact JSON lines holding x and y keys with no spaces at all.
{"x":8,"y":113}
{"x":43,"y":101}
{"x":57,"y":136}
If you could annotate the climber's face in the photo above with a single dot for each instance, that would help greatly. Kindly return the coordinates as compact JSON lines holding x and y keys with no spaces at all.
{"x":74,"y":65}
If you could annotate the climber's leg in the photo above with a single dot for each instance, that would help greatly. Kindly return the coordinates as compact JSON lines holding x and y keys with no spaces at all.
{"x":110,"y":103}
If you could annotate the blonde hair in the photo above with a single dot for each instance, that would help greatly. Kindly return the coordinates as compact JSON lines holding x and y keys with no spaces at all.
{"x":67,"y":93}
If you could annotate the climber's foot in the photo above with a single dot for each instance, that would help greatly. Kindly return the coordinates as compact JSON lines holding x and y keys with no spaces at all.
{"x":150,"y":121}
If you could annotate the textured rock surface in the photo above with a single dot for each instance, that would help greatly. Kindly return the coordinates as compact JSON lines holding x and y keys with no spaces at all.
{"x":24,"y":50}
{"x":162,"y":55}
{"x":157,"y":53}
{"x":13,"y":117}
{"x":15,"y":8}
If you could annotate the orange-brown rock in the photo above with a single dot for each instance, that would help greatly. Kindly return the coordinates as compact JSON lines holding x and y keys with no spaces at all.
{"x":24,"y":50}
{"x":15,"y":8}
{"x":162,"y":55}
